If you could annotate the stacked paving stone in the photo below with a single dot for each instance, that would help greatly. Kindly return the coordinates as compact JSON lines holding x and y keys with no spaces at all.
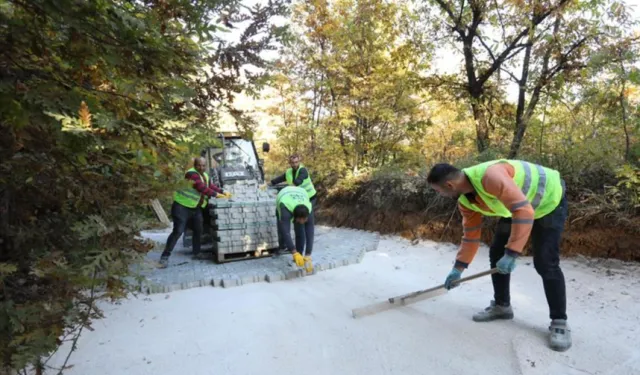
{"x":246,"y":222}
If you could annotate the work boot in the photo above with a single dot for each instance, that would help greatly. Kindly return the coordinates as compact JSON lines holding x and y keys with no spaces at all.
{"x":494,"y":312}
{"x":164,"y":262}
{"x":559,"y":335}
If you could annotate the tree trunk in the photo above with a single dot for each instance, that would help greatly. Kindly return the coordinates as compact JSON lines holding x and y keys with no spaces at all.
{"x":344,"y":149}
{"x":521,"y":121}
{"x":482,"y":125}
{"x":623,"y":105}
{"x":523,"y":116}
{"x":544,"y":118}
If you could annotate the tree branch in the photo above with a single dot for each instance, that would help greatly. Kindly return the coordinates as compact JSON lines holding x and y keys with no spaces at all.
{"x":504,"y":31}
{"x":486,"y":47}
{"x":515,"y":79}
{"x":564,"y":57}
{"x":502,"y":57}
{"x":460,"y":14}
{"x":456,"y":27}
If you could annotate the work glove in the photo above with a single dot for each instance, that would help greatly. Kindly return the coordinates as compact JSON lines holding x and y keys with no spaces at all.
{"x":454,"y":275}
{"x":308,"y":264}
{"x":506,"y":264}
{"x":298,"y":259}
{"x":263,"y":187}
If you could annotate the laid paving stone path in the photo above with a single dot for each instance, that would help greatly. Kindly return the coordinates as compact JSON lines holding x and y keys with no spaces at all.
{"x":333,"y":247}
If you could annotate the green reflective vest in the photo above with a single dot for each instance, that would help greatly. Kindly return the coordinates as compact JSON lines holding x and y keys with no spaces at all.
{"x":291,"y":197}
{"x":540,"y":185}
{"x":190,"y":197}
{"x":306,"y":184}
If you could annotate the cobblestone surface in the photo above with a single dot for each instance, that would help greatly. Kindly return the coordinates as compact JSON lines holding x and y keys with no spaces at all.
{"x":333,"y":247}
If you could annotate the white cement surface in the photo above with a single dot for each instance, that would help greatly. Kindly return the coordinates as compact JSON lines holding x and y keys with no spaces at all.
{"x":304,"y":326}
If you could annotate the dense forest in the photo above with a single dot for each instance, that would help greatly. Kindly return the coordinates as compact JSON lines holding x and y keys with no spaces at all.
{"x":103,"y":103}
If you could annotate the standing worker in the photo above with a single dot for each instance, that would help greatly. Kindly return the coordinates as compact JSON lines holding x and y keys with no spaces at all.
{"x":298,"y":175}
{"x":530,"y":200}
{"x":293,"y":205}
{"x":188,"y":204}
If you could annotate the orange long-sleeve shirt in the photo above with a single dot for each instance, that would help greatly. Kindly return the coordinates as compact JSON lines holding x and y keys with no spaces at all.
{"x":497,"y":181}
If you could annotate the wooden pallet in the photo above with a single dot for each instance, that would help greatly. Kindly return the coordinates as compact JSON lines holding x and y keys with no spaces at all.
{"x":234,"y":257}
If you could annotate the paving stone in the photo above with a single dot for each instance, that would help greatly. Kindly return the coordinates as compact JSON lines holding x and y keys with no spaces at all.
{"x":293,"y":274}
{"x":249,"y":279}
{"x":275,"y":276}
{"x":230,"y":282}
{"x":334,"y":247}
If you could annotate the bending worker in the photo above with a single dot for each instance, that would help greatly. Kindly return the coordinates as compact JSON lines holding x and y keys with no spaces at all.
{"x":298,"y":175}
{"x":293,"y":205}
{"x":530,"y":200}
{"x":188,"y":204}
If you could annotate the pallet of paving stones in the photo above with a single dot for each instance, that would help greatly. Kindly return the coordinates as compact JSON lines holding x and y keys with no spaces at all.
{"x":247,"y":242}
{"x":236,"y":216}
{"x":244,"y":226}
{"x":232,"y":239}
{"x":248,"y":230}
{"x":256,"y":224}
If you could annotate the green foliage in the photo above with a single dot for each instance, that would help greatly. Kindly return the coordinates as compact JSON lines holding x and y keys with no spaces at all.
{"x":629,"y":185}
{"x":339,"y":83}
{"x":102,"y":105}
{"x":346,"y":89}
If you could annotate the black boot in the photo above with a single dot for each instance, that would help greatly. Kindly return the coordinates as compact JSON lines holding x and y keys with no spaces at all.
{"x":164,"y":262}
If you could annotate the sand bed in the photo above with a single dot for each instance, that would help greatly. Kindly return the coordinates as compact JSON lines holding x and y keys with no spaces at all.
{"x":305,"y":325}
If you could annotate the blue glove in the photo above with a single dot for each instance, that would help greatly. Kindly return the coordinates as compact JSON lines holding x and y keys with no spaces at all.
{"x":454,"y":275}
{"x":506,"y":264}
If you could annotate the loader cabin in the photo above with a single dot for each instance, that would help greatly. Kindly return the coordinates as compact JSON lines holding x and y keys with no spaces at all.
{"x":234,"y":158}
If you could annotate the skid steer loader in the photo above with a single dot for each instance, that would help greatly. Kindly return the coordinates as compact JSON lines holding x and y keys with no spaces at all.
{"x":244,"y":226}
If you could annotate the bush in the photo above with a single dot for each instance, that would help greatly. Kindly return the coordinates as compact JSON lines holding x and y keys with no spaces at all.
{"x":98,"y":100}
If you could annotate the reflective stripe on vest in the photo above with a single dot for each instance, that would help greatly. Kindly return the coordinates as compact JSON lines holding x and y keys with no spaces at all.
{"x":540,"y":185}
{"x":306,"y":184}
{"x":189,"y":197}
{"x":291,"y":197}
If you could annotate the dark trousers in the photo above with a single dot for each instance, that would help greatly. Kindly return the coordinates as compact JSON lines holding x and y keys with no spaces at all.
{"x":181,"y":216}
{"x":545,"y":240}
{"x":305,"y":232}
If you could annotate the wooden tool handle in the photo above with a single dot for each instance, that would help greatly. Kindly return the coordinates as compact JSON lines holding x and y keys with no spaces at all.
{"x":462,"y":280}
{"x":475,"y":276}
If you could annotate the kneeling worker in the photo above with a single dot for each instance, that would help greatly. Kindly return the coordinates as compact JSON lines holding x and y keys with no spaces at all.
{"x":293,"y":205}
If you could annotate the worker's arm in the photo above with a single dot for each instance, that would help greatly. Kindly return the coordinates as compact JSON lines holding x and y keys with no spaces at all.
{"x":199,"y":185}
{"x":302,"y":175}
{"x":215,"y":188}
{"x":497,"y":181}
{"x":278,"y":180}
{"x":284,"y":226}
{"x":472,"y":230}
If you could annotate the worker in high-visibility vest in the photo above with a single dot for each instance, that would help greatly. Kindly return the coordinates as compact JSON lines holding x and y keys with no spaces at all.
{"x":530,"y":200}
{"x":189,"y":204}
{"x":298,"y":175}
{"x":293,"y":205}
